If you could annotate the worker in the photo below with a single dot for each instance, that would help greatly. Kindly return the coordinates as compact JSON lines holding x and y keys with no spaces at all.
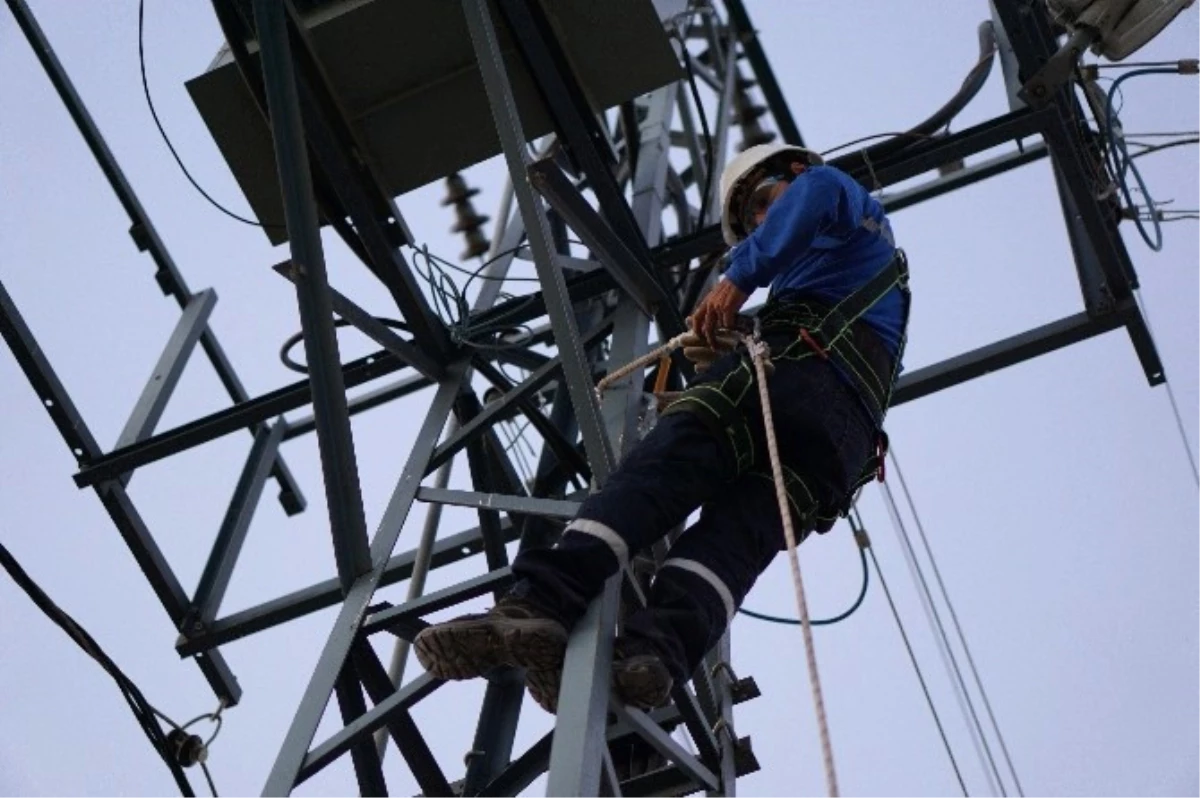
{"x":835,"y":322}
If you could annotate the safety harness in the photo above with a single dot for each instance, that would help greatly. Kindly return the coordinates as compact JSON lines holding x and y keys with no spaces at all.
{"x":834,"y":334}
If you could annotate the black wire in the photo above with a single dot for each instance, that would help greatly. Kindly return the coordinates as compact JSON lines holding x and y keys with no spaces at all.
{"x":920,"y":676}
{"x":962,"y":638}
{"x":163,"y":133}
{"x":967,"y":703}
{"x":1160,"y":147}
{"x":862,"y":594}
{"x":133,"y":696}
{"x":298,"y":337}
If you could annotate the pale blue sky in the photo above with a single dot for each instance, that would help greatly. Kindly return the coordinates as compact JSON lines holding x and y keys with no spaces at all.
{"x":1056,"y":494}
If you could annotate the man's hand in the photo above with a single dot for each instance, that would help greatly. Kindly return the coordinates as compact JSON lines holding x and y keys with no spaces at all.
{"x":717,"y":311}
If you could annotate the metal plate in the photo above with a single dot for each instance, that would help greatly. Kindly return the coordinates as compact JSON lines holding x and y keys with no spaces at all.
{"x":405,"y":75}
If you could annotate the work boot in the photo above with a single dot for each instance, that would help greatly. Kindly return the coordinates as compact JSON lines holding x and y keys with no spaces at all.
{"x":639,"y":678}
{"x":515,"y":633}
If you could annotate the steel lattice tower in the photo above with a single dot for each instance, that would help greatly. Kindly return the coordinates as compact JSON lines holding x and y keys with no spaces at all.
{"x":528,"y":71}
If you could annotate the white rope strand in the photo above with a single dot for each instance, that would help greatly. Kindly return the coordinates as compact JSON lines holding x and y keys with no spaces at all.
{"x":758,"y":352}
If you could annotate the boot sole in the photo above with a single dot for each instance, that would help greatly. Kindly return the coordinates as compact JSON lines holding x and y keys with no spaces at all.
{"x":642,"y":685}
{"x":458,"y":650}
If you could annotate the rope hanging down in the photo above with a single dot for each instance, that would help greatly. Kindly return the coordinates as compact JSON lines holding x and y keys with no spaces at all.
{"x":759,"y":353}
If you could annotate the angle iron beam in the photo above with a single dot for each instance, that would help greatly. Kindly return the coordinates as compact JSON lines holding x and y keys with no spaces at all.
{"x":214,"y":579}
{"x":662,"y":742}
{"x":927,"y":155}
{"x":367,"y":401}
{"x":293,"y":753}
{"x":524,"y":505}
{"x":215,"y":425}
{"x":374,"y":718}
{"x":1029,"y":31}
{"x":142,"y":230}
{"x":400,"y":724}
{"x":371,"y":327}
{"x":383,"y":620}
{"x":611,"y":250}
{"x":763,"y":73}
{"x":496,"y":731}
{"x":347,"y":183}
{"x":321,"y":595}
{"x":335,"y":439}
{"x":583,"y":139}
{"x":526,"y":768}
{"x":496,"y":409}
{"x":1010,"y":351}
{"x":153,"y":401}
{"x":368,"y":767}
{"x":513,"y":141}
{"x":75,"y":433}
{"x":964,"y":177}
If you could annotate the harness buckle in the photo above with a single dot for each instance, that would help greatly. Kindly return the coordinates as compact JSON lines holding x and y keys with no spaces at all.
{"x":808,"y":338}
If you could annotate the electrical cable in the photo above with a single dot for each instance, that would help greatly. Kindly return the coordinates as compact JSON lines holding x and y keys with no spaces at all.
{"x":708,"y":144}
{"x":1187,"y":446}
{"x":966,"y":704}
{"x":162,"y":132}
{"x":1121,"y":163}
{"x":862,"y":594}
{"x":1160,"y":147}
{"x":962,"y":638}
{"x":141,"y":708}
{"x":912,"y":657}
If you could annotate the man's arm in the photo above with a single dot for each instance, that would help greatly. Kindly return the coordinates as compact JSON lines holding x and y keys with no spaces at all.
{"x":808,"y":206}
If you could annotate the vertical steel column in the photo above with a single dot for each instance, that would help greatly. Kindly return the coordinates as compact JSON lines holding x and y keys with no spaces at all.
{"x":575,"y":757}
{"x":334,"y":437}
{"x":345,"y":628}
{"x":513,"y":140}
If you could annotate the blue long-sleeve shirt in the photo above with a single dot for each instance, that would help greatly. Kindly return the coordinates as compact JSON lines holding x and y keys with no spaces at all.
{"x":813,"y":242}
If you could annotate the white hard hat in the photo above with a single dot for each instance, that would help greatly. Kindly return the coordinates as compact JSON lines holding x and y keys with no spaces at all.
{"x":746,"y":164}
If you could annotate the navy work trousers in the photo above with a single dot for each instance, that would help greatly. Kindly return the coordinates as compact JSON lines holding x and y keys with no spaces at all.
{"x":824,"y":435}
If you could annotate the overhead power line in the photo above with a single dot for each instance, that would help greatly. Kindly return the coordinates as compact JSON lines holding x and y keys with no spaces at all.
{"x":962,"y":638}
{"x":141,"y":708}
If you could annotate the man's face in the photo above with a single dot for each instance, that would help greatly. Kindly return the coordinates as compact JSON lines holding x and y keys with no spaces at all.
{"x":764,"y":194}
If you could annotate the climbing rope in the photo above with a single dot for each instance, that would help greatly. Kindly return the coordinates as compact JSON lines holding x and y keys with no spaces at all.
{"x":702,"y":355}
{"x":759,"y":353}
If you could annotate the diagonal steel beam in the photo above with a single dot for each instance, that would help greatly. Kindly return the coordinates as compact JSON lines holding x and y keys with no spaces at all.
{"x":321,"y":595}
{"x":218,"y":571}
{"x":335,"y":439}
{"x":399,"y":723}
{"x":143,"y":232}
{"x":75,"y":433}
{"x":167,"y":371}
{"x":364,"y":725}
{"x":292,"y":754}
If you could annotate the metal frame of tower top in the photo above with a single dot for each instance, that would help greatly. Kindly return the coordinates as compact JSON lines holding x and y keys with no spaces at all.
{"x":607,"y":179}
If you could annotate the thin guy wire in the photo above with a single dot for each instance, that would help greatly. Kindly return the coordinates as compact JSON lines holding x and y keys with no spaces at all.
{"x":949,"y":659}
{"x":1187,"y":446}
{"x":962,"y":638}
{"x":920,"y":676}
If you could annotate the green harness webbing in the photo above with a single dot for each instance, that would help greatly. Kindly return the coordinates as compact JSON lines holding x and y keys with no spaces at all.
{"x":827,"y":333}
